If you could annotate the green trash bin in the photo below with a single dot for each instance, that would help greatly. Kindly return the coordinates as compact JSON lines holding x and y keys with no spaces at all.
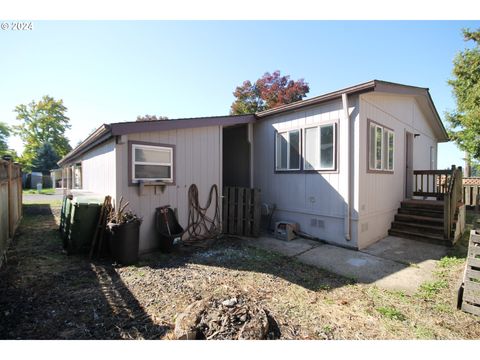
{"x":81,"y":223}
{"x":65,"y":219}
{"x":63,"y":213}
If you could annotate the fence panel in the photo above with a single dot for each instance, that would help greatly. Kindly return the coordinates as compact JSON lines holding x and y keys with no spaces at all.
{"x":241,"y":211}
{"x":470,"y":193}
{"x":10,"y":203}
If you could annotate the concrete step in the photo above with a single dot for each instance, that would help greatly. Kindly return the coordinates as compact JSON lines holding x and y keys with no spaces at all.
{"x":431,"y":239}
{"x":422,"y":212}
{"x":420,"y":229}
{"x":419,"y":219}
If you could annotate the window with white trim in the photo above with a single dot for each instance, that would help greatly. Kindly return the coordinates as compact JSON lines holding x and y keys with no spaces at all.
{"x":381,"y":148}
{"x":152,"y":163}
{"x":319,"y":147}
{"x":287,"y":150}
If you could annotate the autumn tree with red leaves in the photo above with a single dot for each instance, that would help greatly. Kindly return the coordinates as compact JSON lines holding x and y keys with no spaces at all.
{"x":270,"y":91}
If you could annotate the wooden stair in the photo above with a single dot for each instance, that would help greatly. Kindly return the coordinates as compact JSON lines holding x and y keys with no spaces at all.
{"x":420,"y":220}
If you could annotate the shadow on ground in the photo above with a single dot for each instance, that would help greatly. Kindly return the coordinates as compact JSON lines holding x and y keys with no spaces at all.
{"x":45,"y":294}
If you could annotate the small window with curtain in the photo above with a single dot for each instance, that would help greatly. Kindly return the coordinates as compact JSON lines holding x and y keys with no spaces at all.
{"x":287,"y":151}
{"x":319,"y":147}
{"x":381,"y":148}
{"x":151,"y":163}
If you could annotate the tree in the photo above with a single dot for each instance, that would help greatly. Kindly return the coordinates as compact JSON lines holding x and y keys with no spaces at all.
{"x":268,"y":92}
{"x":42,"y":122}
{"x":464,"y":122}
{"x":4,"y":134}
{"x":151,"y":118}
{"x":45,"y":159}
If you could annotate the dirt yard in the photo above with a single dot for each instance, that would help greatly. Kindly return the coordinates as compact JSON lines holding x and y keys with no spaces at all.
{"x":45,"y":294}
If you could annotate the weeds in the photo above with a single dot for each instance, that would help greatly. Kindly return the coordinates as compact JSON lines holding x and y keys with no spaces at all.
{"x":429,"y":289}
{"x":449,"y":262}
{"x":391,"y":313}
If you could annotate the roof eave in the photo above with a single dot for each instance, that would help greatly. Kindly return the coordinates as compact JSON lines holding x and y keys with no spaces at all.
{"x":368,"y":86}
{"x":100,"y":135}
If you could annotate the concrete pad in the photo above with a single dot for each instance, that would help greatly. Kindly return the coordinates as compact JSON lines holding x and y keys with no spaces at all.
{"x":369,"y":269}
{"x":288,"y":248}
{"x":405,"y":250}
{"x":386,"y":264}
{"x":408,"y":279}
{"x":350,"y":263}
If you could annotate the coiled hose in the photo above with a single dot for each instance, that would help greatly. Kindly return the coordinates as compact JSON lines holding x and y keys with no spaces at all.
{"x":200,"y":226}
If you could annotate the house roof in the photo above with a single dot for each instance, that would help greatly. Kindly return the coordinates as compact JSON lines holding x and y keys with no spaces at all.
{"x":420,"y":93}
{"x":107,"y":131}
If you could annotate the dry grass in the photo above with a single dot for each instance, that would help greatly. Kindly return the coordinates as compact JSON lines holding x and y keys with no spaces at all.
{"x":46,"y":294}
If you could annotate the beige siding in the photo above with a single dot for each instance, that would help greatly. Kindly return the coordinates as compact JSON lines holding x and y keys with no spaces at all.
{"x":315,"y":200}
{"x":98,"y":169}
{"x":380,"y":194}
{"x":197,"y":161}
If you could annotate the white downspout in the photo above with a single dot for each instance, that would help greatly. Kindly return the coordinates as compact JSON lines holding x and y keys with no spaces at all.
{"x":347,"y":158}
{"x":250,"y":140}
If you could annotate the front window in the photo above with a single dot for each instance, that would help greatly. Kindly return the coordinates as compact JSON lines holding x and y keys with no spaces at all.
{"x":320,"y":148}
{"x":152,"y":163}
{"x":287,"y":153}
{"x":381,"y":148}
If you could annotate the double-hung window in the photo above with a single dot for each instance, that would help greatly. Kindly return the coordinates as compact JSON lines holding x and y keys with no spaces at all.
{"x":381,"y":148}
{"x":151,"y":163}
{"x":287,"y":150}
{"x":319,"y":147}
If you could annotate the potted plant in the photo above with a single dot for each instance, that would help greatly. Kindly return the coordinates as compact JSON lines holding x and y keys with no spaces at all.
{"x":123,"y":228}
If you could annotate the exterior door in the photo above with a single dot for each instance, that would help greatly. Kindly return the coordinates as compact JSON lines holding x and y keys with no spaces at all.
{"x":408,"y":165}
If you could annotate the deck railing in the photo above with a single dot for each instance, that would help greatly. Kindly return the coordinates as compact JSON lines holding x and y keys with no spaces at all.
{"x":452,"y":198}
{"x":442,"y":184}
{"x":432,"y":183}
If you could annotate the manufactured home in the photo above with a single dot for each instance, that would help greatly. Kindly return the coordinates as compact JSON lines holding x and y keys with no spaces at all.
{"x":349,"y":166}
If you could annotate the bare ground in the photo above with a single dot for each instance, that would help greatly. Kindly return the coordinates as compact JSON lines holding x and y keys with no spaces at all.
{"x":45,"y":294}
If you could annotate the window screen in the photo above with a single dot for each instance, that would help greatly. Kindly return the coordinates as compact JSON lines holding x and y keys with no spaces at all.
{"x":381,"y":148}
{"x":288,"y":150}
{"x":152,"y":163}
{"x":326,"y":147}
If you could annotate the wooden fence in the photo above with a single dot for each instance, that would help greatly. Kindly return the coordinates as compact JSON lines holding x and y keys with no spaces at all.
{"x":10,"y":203}
{"x":471,"y":189}
{"x":241,"y":211}
{"x":469,"y":300}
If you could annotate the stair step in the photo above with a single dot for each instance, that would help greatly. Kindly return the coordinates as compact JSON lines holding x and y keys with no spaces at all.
{"x":422,"y":212}
{"x":420,"y":229}
{"x":423,"y":204}
{"x":414,"y":218}
{"x":431,"y":239}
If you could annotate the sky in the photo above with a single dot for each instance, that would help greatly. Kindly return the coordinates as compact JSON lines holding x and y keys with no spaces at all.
{"x":111,"y":71}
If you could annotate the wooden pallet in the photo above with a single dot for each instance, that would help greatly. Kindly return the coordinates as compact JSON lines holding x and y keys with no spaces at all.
{"x":241,"y":211}
{"x":470,"y":301}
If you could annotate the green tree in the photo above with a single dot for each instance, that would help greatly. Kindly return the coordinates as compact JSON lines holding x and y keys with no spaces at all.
{"x":268,"y":92}
{"x":4,"y":134}
{"x":45,"y":159}
{"x":41,"y":123}
{"x":464,"y":121}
